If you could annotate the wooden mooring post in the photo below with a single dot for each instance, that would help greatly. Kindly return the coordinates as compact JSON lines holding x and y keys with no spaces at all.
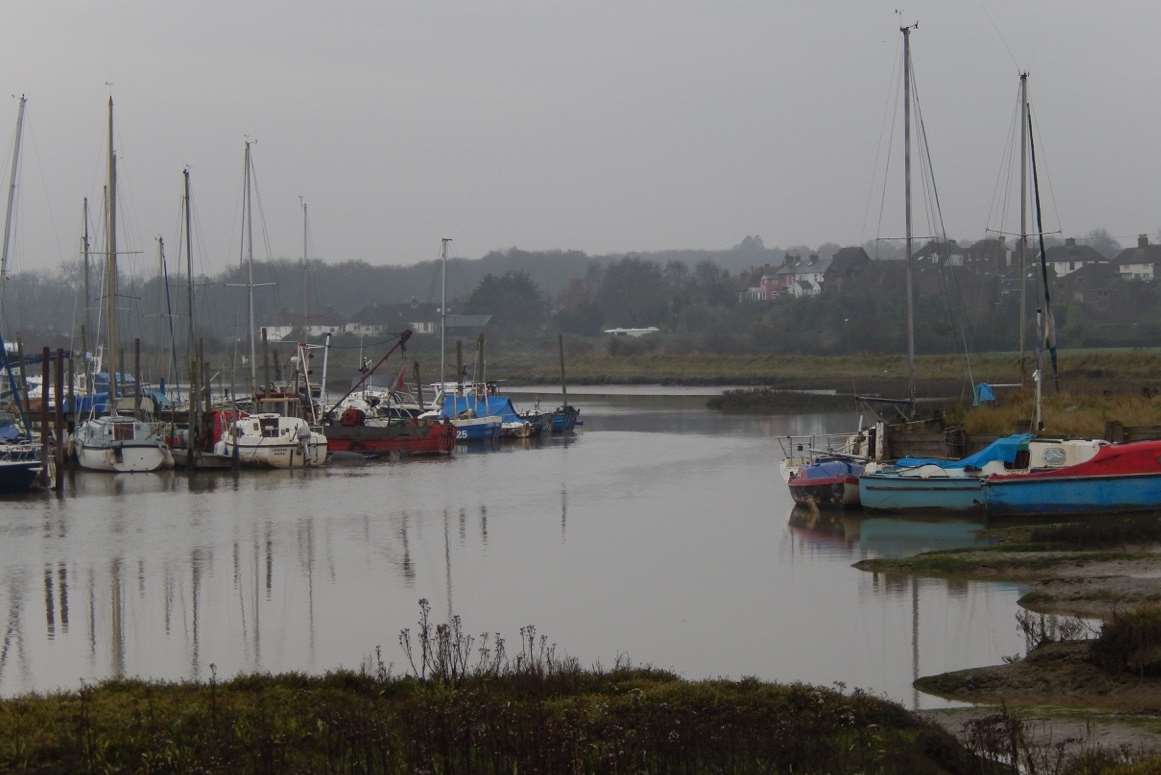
{"x":418,"y":386}
{"x":72,"y":414}
{"x":45,"y":432}
{"x":136,"y":376}
{"x":60,"y":420}
{"x":563,"y":381}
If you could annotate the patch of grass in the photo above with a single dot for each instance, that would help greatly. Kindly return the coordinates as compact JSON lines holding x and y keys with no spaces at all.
{"x":1106,"y":531}
{"x":1082,"y":414}
{"x":590,"y":721}
{"x":1130,"y":642}
{"x":771,"y":401}
{"x":1019,"y":561}
{"x":671,"y":360}
{"x":1149,"y":765}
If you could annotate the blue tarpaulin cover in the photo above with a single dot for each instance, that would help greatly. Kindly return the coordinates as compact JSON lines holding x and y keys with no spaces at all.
{"x":486,"y":406}
{"x":827,"y":469}
{"x":1003,"y":449}
{"x":985,"y":394}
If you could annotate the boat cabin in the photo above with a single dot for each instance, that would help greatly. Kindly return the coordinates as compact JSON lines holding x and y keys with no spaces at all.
{"x":1042,"y":454}
{"x":282,"y":404}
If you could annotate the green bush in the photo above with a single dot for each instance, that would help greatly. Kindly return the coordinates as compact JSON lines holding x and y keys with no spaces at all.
{"x":1130,"y":642}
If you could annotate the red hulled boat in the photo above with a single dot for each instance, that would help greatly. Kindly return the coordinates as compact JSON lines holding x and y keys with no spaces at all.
{"x":355,"y":432}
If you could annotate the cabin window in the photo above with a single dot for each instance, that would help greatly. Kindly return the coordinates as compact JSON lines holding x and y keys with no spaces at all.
{"x":1054,"y":456}
{"x":123,"y":431}
{"x":269,"y":427}
{"x":1020,"y":462}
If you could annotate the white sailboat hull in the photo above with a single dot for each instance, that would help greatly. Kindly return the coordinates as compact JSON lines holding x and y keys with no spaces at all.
{"x":125,"y":459}
{"x":276,"y":455}
{"x":121,"y":445}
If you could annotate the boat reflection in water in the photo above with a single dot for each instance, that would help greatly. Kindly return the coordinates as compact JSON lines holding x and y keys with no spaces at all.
{"x":860,"y":535}
{"x":869,"y":534}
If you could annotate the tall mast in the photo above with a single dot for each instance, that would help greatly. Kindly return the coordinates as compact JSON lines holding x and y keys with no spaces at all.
{"x":305,"y":284}
{"x":1023,"y":216}
{"x":247,"y":258}
{"x":85,"y":258}
{"x":12,"y":190}
{"x":167,"y":303}
{"x":189,"y":288}
{"x":443,"y":314}
{"x":907,"y":195}
{"x":111,"y":268}
{"x":249,"y":218}
{"x":1048,"y":328}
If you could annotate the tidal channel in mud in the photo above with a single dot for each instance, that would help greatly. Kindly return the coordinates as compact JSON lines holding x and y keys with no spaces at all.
{"x":661,"y":531}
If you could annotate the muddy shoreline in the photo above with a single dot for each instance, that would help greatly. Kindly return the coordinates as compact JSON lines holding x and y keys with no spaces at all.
{"x":1096,"y":570}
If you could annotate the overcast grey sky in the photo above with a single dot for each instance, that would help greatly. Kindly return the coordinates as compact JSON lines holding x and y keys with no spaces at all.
{"x":607,"y":126}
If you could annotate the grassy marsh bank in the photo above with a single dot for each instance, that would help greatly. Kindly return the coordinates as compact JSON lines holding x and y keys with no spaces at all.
{"x":1124,"y":369}
{"x":771,"y":401}
{"x":1077,"y":414}
{"x":566,"y":721}
{"x":666,"y":360}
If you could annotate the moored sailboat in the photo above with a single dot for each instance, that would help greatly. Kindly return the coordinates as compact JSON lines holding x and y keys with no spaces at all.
{"x":20,"y":463}
{"x":279,"y":432}
{"x":1117,"y":478}
{"x":114,"y":442}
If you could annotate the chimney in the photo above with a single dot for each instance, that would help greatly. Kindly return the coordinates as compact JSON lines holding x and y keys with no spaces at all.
{"x":1142,"y":240}
{"x":1070,"y":242}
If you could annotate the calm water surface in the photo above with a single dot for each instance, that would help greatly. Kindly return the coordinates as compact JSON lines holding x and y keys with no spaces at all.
{"x":661,"y":531}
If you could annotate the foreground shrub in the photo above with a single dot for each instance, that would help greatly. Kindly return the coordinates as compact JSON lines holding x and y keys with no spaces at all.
{"x":1130,"y":642}
{"x":591,"y":721}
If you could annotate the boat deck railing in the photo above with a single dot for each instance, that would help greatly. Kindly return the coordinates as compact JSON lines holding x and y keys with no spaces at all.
{"x":802,"y":450}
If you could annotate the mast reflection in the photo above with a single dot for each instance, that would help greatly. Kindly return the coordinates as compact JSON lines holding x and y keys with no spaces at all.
{"x":12,"y":630}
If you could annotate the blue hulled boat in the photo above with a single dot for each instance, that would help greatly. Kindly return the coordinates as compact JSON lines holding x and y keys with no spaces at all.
{"x":478,"y":429}
{"x":564,"y":419}
{"x":20,"y":462}
{"x":935,"y":484}
{"x":1119,"y":478}
{"x":480,"y":401}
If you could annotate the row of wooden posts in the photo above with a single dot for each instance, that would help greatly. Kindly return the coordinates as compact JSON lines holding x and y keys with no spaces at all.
{"x":59,"y":420}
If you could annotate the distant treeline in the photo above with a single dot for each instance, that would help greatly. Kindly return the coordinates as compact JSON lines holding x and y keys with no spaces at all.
{"x":694,"y":297}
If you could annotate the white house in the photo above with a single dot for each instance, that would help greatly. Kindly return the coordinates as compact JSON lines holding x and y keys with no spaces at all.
{"x":1139,"y":263}
{"x":276,"y":333}
{"x":801,"y":278}
{"x":323,"y":330}
{"x":363,"y":329}
{"x":1067,"y":258}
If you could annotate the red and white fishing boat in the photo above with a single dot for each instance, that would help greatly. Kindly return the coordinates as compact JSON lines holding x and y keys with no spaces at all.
{"x":355,"y":431}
